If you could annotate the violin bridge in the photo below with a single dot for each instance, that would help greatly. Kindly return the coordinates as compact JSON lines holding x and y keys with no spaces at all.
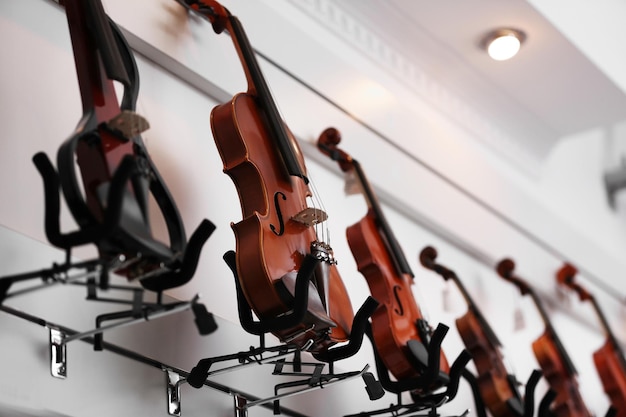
{"x":128,"y":123}
{"x":310,"y":216}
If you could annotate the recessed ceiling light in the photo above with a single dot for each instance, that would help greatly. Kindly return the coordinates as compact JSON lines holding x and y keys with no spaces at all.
{"x":504,"y":43}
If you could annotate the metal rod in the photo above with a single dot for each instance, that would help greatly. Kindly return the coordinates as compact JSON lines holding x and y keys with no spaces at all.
{"x":177,"y":309}
{"x":254,"y":362}
{"x":307,"y":389}
{"x":68,"y":280}
{"x":129,"y":354}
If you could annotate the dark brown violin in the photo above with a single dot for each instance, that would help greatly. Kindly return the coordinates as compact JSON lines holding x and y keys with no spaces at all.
{"x":398,"y":322}
{"x":279,"y":228}
{"x":551,"y":355}
{"x":117,"y":176}
{"x":609,"y":359}
{"x":497,"y":386}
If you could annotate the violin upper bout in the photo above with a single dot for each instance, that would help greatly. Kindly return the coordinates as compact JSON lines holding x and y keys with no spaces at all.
{"x":546,"y":355}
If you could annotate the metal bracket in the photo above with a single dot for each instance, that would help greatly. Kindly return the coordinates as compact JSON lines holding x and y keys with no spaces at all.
{"x":173,"y":382}
{"x":410,"y":410}
{"x":58,"y":355}
{"x":59,"y":340}
{"x":241,"y":406}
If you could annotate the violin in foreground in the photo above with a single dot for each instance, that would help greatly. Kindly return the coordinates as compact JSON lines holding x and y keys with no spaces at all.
{"x":284,"y":267}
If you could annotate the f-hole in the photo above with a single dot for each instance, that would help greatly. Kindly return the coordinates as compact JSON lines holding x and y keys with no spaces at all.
{"x":281,"y":223}
{"x":399,"y":310}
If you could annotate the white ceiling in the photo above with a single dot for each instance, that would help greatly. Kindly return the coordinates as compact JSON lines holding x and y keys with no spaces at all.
{"x":549,"y":90}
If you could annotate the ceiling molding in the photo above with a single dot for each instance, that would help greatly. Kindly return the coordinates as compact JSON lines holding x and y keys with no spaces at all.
{"x":403,"y":69}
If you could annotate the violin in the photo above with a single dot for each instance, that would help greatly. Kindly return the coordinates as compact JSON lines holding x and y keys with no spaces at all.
{"x":551,"y":355}
{"x":279,"y":229}
{"x":497,"y":386}
{"x":110,"y":201}
{"x":609,"y":359}
{"x":398,"y":324}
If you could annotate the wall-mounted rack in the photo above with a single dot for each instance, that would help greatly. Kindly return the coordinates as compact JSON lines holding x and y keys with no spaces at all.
{"x":176,"y":377}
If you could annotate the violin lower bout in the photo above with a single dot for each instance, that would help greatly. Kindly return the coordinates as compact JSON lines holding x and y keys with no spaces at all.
{"x":494,"y":382}
{"x":568,"y":402}
{"x":613,"y":376}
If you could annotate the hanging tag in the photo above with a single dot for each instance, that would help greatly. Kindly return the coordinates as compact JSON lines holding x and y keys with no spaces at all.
{"x":519,"y":323}
{"x":352,"y":185}
{"x":563,"y":295}
{"x":447,"y":298}
{"x":518,"y":319}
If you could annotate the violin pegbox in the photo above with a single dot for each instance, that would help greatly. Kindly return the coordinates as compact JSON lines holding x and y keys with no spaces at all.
{"x":327,"y":143}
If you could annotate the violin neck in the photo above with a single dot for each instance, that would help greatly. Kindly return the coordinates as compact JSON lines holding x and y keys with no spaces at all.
{"x":372,"y":202}
{"x":97,"y":58}
{"x":605,"y":326}
{"x":259,"y":88}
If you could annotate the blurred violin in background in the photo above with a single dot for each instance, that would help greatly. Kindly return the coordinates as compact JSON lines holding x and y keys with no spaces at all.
{"x":551,"y":355}
{"x":609,"y":359}
{"x":401,"y":334}
{"x":498,"y":386}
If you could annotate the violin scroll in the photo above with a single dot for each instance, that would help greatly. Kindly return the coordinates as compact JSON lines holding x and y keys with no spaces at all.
{"x":428,"y":256}
{"x":327,"y":144}
{"x":565,"y":276}
{"x":427,"y":259}
{"x":505,"y":269}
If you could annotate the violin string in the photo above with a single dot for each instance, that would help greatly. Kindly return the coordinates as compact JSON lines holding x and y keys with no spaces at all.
{"x":317,"y":201}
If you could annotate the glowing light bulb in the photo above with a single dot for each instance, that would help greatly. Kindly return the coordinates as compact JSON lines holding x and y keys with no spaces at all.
{"x":503,"y":44}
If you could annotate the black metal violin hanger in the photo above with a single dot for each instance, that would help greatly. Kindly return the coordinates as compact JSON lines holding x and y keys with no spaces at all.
{"x":116,"y":172}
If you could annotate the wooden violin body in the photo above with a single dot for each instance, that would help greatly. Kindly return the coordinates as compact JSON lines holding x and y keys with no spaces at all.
{"x":278,"y":232}
{"x":551,"y":355}
{"x":609,"y":364}
{"x":609,"y":359}
{"x":271,"y":245}
{"x":496,"y":385}
{"x":398,"y":319}
{"x":568,"y":402}
{"x":398,"y":324}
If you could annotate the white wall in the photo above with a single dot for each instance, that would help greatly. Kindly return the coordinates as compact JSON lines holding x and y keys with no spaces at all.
{"x":447,"y":190}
